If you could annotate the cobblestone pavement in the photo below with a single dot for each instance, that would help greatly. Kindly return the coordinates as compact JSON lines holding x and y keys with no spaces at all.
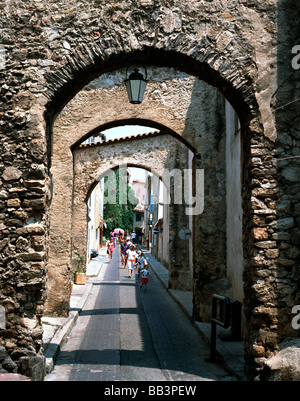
{"x":125,"y":333}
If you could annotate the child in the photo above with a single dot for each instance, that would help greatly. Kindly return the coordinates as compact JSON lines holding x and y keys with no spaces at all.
{"x":145,"y":274}
{"x":142,"y":261}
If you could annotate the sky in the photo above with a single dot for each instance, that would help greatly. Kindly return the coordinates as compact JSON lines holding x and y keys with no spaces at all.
{"x":128,"y":130}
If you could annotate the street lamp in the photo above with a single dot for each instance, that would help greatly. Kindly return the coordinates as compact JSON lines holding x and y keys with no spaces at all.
{"x":136,"y":85}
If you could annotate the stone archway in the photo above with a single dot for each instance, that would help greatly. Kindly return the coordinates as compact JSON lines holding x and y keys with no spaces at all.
{"x":153,"y":152}
{"x":247,"y":110}
{"x":156,"y":153}
{"x":218,"y":269}
{"x":207,"y":42}
{"x":164,"y":106}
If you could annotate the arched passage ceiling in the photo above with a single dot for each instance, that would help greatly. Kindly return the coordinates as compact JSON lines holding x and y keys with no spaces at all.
{"x":154,"y":152}
{"x":173,"y":102}
{"x":60,"y":95}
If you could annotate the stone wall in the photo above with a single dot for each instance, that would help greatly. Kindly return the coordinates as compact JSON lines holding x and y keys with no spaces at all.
{"x":188,"y":112}
{"x":243,"y":48}
{"x":155,"y":152}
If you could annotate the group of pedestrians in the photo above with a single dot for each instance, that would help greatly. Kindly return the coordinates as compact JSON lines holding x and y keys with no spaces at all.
{"x":112,"y":243}
{"x":131,"y":259}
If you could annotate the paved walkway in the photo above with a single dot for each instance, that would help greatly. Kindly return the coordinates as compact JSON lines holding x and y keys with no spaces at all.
{"x":230,"y":353}
{"x":103,"y":314}
{"x":56,"y":330}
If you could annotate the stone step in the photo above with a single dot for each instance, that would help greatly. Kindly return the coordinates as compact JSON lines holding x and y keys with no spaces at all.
{"x":13,"y":377}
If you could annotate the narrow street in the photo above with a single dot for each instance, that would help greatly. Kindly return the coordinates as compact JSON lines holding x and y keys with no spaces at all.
{"x":125,"y":333}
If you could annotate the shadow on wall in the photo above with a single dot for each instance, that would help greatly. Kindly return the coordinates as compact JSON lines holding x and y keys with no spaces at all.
{"x":287,"y":114}
{"x":205,"y":129}
{"x":286,"y":232}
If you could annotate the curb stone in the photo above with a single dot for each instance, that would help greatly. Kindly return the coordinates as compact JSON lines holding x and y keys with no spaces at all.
{"x":64,"y":329}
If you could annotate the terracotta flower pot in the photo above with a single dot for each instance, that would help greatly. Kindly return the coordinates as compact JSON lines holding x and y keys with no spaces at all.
{"x":80,"y":278}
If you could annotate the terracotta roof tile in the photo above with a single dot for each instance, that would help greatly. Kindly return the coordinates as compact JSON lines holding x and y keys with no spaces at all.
{"x":124,"y":138}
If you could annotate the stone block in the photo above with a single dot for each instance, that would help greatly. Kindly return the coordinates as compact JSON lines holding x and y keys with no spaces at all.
{"x":266,"y":244}
{"x":260,"y":233}
{"x":13,"y":203}
{"x":36,"y":229}
{"x":33,"y":367}
{"x":285,"y":224}
{"x":285,"y":365}
{"x":272,"y":253}
{"x":11,"y":174}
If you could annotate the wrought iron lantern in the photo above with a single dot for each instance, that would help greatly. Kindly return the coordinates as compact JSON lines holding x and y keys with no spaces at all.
{"x":136,"y":85}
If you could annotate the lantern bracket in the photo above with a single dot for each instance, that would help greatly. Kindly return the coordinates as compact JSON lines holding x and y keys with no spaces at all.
{"x":136,"y":69}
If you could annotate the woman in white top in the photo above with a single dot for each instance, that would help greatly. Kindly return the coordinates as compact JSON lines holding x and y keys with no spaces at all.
{"x":131,"y":259}
{"x":142,"y":261}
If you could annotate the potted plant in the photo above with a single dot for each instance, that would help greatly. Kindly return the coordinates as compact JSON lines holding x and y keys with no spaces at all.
{"x":80,"y":271}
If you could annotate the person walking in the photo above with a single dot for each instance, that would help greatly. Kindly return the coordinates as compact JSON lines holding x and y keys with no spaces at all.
{"x":110,"y":248}
{"x":128,"y":243}
{"x":145,"y":274}
{"x":131,"y":259}
{"x":115,"y":239}
{"x":123,"y":249}
{"x":133,"y":237}
{"x":142,"y":261}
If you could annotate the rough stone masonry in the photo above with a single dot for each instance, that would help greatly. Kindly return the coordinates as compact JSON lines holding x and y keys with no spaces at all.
{"x":178,"y":116}
{"x":51,"y":50}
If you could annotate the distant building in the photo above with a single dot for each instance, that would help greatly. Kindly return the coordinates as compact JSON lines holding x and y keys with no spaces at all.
{"x":156,"y":218}
{"x":95,"y":219}
{"x":138,"y":186}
